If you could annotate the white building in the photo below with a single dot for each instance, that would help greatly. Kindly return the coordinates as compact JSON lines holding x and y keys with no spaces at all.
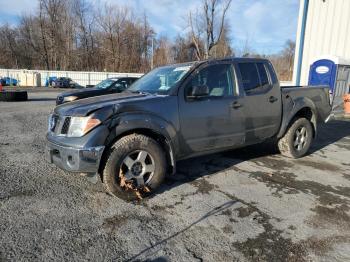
{"x":323,"y":30}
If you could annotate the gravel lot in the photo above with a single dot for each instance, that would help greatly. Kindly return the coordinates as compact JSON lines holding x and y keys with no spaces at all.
{"x":243,"y":205}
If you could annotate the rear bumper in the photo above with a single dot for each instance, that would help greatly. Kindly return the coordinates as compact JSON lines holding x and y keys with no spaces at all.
{"x":82,"y":160}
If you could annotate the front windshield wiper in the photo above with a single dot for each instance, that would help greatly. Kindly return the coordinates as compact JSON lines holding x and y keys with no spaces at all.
{"x":139,"y":92}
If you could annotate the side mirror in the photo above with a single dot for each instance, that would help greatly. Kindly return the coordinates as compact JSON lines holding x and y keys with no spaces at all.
{"x":199,"y":91}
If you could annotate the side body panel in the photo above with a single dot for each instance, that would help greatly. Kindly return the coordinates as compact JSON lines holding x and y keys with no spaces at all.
{"x":297,"y":98}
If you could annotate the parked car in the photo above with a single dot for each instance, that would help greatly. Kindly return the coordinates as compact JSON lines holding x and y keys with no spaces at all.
{"x":133,"y":139}
{"x":65,"y":82}
{"x":50,"y":80}
{"x":9,"y":81}
{"x":108,"y":86}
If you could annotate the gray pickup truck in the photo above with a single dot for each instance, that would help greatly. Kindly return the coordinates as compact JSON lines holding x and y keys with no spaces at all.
{"x":133,"y":139}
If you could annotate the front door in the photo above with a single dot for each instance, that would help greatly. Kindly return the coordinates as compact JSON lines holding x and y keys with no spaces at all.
{"x":214,"y":121}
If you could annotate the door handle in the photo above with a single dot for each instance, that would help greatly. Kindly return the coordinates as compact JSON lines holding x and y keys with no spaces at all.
{"x":272,"y":99}
{"x":236,"y":105}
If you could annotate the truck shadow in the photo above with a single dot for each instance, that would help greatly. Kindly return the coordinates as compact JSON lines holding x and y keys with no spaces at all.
{"x":331,"y":133}
{"x":192,"y":169}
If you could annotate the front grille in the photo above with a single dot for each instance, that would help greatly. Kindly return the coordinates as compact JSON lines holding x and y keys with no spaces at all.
{"x":65,"y":126}
{"x":59,"y":125}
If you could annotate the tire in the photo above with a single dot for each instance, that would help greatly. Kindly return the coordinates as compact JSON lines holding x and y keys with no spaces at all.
{"x":124,"y":159}
{"x":13,"y":96}
{"x":294,"y":144}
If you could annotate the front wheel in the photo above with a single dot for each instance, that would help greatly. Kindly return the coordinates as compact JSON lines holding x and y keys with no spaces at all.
{"x":297,"y":141}
{"x":135,"y":167}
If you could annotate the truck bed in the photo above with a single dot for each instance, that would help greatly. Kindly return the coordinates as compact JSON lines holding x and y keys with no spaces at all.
{"x":317,"y":97}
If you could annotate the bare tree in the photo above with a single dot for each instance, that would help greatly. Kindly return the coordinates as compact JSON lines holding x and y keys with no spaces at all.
{"x":78,"y":35}
{"x":284,"y":61}
{"x":84,"y":22}
{"x":207,"y":26}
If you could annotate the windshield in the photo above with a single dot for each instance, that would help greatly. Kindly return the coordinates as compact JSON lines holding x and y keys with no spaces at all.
{"x":105,"y":84}
{"x":161,"y":79}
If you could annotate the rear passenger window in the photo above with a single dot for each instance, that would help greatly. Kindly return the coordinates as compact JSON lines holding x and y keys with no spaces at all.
{"x":250,"y":77}
{"x":263,"y":75}
{"x":272,"y":73}
{"x":255,"y":78}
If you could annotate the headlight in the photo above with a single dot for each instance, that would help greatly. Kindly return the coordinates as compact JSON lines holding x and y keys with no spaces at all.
{"x":69,"y":98}
{"x":79,"y":126}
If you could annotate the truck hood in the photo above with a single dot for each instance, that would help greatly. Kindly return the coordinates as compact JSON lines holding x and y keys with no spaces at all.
{"x":86,"y":106}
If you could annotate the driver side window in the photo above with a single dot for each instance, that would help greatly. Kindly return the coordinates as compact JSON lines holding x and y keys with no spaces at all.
{"x":217,"y":78}
{"x":120,"y":85}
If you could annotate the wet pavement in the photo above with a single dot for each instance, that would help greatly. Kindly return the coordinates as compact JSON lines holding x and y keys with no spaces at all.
{"x":250,"y":204}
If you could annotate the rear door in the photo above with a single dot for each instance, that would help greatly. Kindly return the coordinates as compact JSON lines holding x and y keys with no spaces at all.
{"x":215,"y":121}
{"x":262,"y":100}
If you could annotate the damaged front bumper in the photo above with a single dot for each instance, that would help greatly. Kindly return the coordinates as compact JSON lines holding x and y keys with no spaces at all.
{"x":82,"y":160}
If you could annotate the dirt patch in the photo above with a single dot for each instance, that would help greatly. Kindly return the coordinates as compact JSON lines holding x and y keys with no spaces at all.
{"x":203,"y":186}
{"x":278,"y":182}
{"x":318,"y":165}
{"x":227,"y":212}
{"x":291,"y":227}
{"x":163,"y":208}
{"x":269,"y":245}
{"x":113,"y":223}
{"x":346,"y":176}
{"x":322,"y":246}
{"x":286,"y":183}
{"x":227,"y":229}
{"x":331,"y":215}
{"x":158,"y":208}
{"x":275,"y":163}
{"x":245,"y":211}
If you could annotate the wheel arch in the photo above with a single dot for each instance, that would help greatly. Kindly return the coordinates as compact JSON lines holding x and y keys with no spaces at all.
{"x":303,"y":107}
{"x":162,"y":139}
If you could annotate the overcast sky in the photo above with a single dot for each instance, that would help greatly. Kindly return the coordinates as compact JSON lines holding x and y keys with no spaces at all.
{"x":265,"y":24}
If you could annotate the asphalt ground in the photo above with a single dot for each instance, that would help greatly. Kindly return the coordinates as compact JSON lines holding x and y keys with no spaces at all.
{"x":244,"y":205}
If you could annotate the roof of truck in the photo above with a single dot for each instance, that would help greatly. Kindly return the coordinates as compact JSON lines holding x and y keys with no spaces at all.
{"x":238,"y":59}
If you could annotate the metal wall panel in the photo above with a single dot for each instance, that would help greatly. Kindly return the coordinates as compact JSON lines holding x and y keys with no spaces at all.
{"x":327,"y":32}
{"x":82,"y":78}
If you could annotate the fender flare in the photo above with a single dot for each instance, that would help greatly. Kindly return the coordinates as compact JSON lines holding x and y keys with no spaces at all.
{"x":141,"y":122}
{"x":290,"y":110}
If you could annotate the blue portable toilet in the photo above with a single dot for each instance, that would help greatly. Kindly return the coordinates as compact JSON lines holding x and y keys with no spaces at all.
{"x":332,"y":71}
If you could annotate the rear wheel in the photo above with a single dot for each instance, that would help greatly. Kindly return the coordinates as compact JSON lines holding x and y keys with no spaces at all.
{"x":135,"y":167}
{"x":297,"y":141}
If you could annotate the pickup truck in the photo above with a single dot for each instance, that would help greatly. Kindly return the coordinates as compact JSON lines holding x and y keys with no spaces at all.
{"x":108,"y":86}
{"x":133,"y":139}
